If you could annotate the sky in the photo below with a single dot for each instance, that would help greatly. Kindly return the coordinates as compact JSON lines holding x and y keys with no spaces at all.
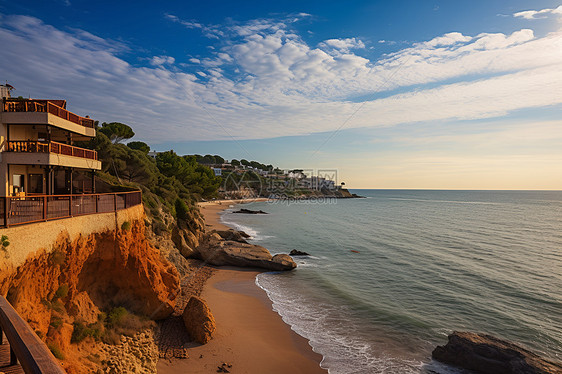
{"x":391,"y":94}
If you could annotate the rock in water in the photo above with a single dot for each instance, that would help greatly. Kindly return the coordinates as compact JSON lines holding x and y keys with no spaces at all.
{"x":295,"y":252}
{"x":198,"y":320}
{"x":489,"y":355}
{"x":249,"y":211}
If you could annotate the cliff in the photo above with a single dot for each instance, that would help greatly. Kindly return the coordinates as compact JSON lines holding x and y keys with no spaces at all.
{"x":72,"y":279}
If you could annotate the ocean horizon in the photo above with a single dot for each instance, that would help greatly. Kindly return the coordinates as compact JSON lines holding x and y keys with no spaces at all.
{"x":391,"y":275}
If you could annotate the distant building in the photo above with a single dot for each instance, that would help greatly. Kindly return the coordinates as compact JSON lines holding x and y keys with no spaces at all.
{"x":153,"y":154}
{"x":217,"y":171}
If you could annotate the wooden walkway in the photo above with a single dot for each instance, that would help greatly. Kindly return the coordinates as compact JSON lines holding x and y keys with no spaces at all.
{"x":5,"y":366}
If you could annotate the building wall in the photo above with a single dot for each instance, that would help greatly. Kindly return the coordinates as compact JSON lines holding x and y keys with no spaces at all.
{"x":46,"y":119}
{"x":25,"y":240}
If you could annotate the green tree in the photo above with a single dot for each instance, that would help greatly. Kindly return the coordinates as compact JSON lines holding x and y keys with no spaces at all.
{"x":235,"y":162}
{"x":117,"y":131}
{"x":141,"y":146}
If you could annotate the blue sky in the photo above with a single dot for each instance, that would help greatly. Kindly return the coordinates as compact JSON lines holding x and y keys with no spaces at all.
{"x":393,"y":94}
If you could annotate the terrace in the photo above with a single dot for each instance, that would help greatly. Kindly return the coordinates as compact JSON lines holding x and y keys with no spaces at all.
{"x":50,"y":147}
{"x":45,"y":106}
{"x":17,"y":210}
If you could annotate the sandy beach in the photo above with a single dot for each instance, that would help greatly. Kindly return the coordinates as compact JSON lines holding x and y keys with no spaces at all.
{"x":250,"y":336}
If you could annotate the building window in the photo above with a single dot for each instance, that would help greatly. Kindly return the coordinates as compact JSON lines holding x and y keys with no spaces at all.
{"x":18,"y":183}
{"x":35,"y":183}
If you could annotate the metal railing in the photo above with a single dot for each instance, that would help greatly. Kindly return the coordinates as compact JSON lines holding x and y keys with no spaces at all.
{"x":45,"y":106}
{"x":25,"y":346}
{"x":50,"y":147}
{"x":29,"y":209}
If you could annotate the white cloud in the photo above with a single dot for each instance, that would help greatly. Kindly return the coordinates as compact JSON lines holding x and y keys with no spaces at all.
{"x":447,"y":39}
{"x":538,"y":14}
{"x":342,"y":45}
{"x":265,"y":81}
{"x":161,"y":60}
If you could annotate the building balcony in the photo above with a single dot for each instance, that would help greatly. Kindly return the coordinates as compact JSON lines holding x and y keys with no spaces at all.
{"x":50,"y":153}
{"x":31,"y":111}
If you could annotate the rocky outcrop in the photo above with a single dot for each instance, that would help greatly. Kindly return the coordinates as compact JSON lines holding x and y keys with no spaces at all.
{"x":198,"y":320}
{"x":489,"y":355}
{"x":220,"y":252}
{"x":135,"y":354}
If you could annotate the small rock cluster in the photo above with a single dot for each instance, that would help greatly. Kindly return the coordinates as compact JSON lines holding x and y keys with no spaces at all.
{"x":135,"y":354}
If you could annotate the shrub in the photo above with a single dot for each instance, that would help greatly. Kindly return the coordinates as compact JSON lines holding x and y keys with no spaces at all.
{"x":181,"y":209}
{"x":117,"y":316}
{"x":82,"y":331}
{"x":61,"y":292}
{"x":56,"y":351}
{"x":57,"y":306}
{"x":5,"y":242}
{"x":121,"y":322}
{"x":126,"y":226}
{"x":56,"y":322}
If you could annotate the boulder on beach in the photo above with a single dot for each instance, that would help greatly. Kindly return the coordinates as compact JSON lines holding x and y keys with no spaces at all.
{"x":237,"y":236}
{"x":199,"y":320}
{"x":489,"y":355}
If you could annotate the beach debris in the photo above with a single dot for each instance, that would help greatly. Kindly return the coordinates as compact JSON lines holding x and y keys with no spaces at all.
{"x":354,"y":251}
{"x":295,"y":252}
{"x":249,"y":211}
{"x":223,"y":368}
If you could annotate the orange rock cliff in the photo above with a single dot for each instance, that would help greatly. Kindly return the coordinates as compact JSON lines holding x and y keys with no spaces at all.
{"x":77,"y":276}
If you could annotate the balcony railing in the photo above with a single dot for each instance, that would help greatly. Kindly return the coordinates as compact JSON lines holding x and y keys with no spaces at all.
{"x":46,"y":106}
{"x":50,"y":147}
{"x":28,"y":209}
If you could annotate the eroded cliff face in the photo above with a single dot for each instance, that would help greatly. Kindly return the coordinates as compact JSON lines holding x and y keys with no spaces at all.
{"x":78,"y":278}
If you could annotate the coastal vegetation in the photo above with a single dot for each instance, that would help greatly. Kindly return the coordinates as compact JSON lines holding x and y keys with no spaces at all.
{"x":170,"y":183}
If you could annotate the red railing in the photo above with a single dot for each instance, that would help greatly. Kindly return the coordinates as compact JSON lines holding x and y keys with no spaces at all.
{"x":45,"y":106}
{"x":50,"y":147}
{"x":28,"y":209}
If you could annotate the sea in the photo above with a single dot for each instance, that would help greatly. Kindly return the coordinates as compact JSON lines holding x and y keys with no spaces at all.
{"x":391,"y":275}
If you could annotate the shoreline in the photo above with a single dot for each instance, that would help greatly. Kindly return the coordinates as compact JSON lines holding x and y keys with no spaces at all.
{"x":250,"y":335}
{"x":211,"y":211}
